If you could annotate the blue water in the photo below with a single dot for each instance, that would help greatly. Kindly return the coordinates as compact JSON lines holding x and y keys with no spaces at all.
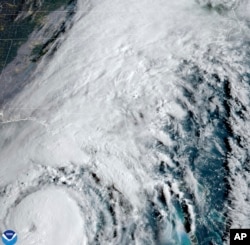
{"x":206,"y":156}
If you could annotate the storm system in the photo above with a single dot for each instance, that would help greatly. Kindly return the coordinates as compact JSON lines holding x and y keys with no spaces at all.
{"x":128,"y":123}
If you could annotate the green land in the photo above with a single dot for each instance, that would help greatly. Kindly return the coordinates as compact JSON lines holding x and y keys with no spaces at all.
{"x":18,"y":19}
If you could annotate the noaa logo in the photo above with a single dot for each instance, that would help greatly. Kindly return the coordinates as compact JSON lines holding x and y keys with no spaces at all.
{"x":9,"y":237}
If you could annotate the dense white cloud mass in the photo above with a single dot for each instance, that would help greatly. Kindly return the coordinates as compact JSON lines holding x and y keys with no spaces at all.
{"x":50,"y":213}
{"x":108,"y":119}
{"x":226,"y":4}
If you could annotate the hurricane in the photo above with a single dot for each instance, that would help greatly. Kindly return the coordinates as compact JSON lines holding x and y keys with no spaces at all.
{"x":134,"y":130}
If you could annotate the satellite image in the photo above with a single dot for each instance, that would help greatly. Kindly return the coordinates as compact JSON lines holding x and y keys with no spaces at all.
{"x":124,"y":122}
